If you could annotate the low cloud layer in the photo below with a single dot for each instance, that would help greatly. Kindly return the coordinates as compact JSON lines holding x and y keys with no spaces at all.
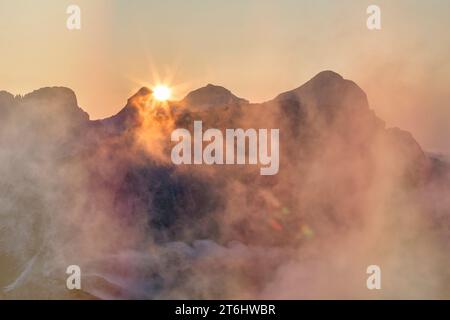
{"x":105,"y":195}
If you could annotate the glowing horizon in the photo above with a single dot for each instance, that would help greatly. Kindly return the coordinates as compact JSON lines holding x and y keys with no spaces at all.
{"x":273,"y":48}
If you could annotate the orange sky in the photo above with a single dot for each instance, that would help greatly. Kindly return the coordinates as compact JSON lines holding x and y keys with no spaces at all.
{"x":256,"y":48}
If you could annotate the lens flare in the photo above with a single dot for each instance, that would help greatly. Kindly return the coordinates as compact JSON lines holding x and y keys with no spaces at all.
{"x":161,"y":93}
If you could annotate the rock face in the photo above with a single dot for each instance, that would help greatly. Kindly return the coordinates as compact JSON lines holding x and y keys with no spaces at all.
{"x":7,"y":105}
{"x":329,"y":136}
{"x":49,"y":115}
{"x":49,"y":105}
{"x":54,"y":104}
{"x":129,"y":117}
{"x":109,"y":185}
{"x":326,"y":126}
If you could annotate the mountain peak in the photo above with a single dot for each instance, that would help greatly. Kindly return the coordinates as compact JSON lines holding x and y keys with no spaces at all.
{"x":327,"y":76}
{"x":55,"y":101}
{"x":212,"y":96}
{"x":53,"y":94}
{"x":129,"y":116}
{"x":142,"y":93}
{"x":53,"y":108}
{"x":6,"y":98}
{"x":327,"y":89}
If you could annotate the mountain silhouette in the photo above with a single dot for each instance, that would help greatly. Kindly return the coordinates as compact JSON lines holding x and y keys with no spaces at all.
{"x":109,"y":185}
{"x":212,"y":96}
{"x":322,"y":122}
{"x":327,"y":89}
{"x":326,"y":104}
{"x":129,"y":116}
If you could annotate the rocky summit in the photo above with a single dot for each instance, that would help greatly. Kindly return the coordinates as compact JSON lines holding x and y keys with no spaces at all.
{"x":105,"y":193}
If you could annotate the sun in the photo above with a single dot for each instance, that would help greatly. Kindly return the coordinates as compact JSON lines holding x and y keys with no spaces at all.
{"x":162,"y":93}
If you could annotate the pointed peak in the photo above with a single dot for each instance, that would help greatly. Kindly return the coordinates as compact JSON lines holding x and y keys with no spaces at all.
{"x":327,"y":75}
{"x":142,"y":95}
{"x":143,"y":92}
{"x":321,"y":80}
{"x":328,"y":88}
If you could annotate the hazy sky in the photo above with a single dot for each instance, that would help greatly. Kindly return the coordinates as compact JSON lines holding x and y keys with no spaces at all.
{"x":255,"y":48}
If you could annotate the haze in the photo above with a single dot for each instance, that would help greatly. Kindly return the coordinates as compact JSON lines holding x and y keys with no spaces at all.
{"x":255,"y":48}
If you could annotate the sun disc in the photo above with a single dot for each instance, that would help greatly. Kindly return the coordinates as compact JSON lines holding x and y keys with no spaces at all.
{"x":161,"y":93}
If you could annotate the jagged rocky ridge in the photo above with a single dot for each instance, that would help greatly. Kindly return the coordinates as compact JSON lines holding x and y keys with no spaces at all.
{"x":108,"y":185}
